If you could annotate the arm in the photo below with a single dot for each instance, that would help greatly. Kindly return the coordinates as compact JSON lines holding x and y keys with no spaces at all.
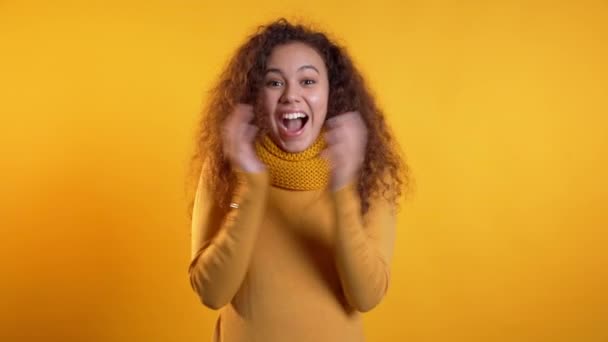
{"x":364,"y":248}
{"x":221,"y":248}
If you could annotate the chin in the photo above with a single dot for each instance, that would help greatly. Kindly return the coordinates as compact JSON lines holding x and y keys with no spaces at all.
{"x":295,"y":146}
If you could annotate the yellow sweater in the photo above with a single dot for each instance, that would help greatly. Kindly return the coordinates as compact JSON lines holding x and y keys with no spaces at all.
{"x":290,"y":265}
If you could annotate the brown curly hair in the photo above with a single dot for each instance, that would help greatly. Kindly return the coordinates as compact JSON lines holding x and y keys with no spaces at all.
{"x":384,"y":171}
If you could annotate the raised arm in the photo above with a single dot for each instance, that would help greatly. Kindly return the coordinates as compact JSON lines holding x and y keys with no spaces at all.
{"x":221,"y":248}
{"x":364,"y":244}
{"x":364,"y":248}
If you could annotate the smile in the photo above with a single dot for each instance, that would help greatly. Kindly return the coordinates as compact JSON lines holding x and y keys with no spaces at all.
{"x":292,"y":124}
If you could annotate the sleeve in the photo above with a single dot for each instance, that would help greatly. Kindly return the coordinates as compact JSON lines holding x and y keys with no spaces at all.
{"x":364,"y":247}
{"x":221,"y":247}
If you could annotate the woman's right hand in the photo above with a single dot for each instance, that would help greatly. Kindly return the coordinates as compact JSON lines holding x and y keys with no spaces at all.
{"x":238,"y":136}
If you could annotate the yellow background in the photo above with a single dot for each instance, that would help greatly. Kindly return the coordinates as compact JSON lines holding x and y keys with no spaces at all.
{"x":500,"y":107}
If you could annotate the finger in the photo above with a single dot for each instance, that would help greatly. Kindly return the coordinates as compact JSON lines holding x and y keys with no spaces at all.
{"x":250,"y":132}
{"x":230,"y":124}
{"x":329,"y":154}
{"x":337,"y":135}
{"x":334,"y":122}
{"x":337,"y":120}
{"x":244,"y":112}
{"x":235,"y":126}
{"x":241,"y":113}
{"x":331,"y":137}
{"x":341,"y":118}
{"x":325,"y":154}
{"x":335,"y":162}
{"x":241,"y":125}
{"x":358,"y":119}
{"x":335,"y":153}
{"x":227,"y":134}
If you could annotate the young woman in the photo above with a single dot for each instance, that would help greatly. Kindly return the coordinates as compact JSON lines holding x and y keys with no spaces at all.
{"x":293,"y":218}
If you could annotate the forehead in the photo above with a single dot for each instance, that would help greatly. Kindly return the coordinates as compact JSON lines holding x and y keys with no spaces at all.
{"x":291,"y":56}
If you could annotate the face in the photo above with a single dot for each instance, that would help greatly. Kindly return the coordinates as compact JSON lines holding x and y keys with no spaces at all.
{"x":294,"y":95}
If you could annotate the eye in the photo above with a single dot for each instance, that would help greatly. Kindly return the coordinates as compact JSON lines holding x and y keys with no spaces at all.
{"x":274,"y":83}
{"x":309,"y":82}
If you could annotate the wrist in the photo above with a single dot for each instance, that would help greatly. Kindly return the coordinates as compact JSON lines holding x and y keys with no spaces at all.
{"x":253,"y":167}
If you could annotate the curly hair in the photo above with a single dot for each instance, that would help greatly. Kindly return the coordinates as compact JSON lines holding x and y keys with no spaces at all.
{"x":384,"y":171}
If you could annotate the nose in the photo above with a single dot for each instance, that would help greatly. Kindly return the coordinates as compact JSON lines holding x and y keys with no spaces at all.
{"x":290,"y":94}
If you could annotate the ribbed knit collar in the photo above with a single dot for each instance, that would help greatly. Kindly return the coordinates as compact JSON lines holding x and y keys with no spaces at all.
{"x":304,"y":170}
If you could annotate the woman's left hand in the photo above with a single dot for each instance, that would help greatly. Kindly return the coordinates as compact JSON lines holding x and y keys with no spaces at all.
{"x":346,"y":139}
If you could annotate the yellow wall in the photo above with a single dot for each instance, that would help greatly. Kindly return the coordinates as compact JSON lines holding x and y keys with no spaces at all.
{"x":501,"y":107}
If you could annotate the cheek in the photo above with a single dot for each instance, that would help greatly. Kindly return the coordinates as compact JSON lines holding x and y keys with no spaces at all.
{"x":268,"y":101}
{"x":319,"y":102}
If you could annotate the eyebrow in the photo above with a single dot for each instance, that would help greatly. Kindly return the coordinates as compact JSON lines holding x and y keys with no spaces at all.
{"x":307,"y":66}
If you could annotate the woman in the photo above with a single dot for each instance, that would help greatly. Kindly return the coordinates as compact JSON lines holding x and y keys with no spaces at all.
{"x":293,"y":220}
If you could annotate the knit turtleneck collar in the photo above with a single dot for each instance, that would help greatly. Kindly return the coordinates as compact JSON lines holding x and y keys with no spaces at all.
{"x":304,"y":170}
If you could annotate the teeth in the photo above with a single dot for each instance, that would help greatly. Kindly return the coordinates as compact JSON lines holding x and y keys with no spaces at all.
{"x":292,"y":116}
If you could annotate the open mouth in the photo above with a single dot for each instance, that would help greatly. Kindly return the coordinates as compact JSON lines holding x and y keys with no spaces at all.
{"x":293,"y":123}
